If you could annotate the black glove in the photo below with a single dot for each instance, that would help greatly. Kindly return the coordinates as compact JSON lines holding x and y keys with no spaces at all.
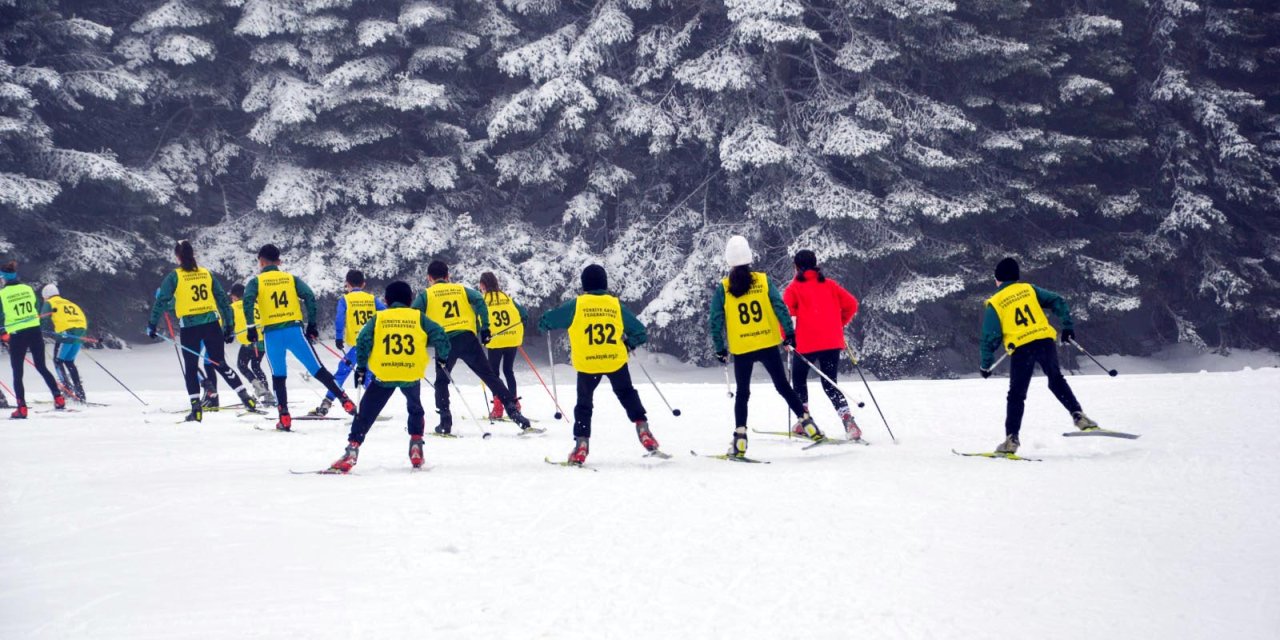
{"x":229,"y":335}
{"x":485,"y":336}
{"x":251,"y":334}
{"x":986,"y":373}
{"x":627,"y":343}
{"x":722,"y":356}
{"x":312,"y":332}
{"x":1068,"y":336}
{"x":789,"y":342}
{"x":361,"y":373}
{"x":151,"y":331}
{"x":338,"y":343}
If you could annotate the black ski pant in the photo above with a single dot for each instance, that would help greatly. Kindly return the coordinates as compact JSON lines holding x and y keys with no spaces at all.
{"x":210,"y":336}
{"x":20,"y":343}
{"x":249,"y":362}
{"x":1021,"y":365}
{"x":504,"y":360}
{"x":466,"y":347}
{"x":620,"y":380}
{"x":375,"y":399}
{"x":68,"y":373}
{"x":826,"y":361}
{"x":771,"y":360}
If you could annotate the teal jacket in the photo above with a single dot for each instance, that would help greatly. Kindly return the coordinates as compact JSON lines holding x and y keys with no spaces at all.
{"x":164,"y":302}
{"x":477,"y":304}
{"x":992,"y":338}
{"x":304,"y":294}
{"x":435,"y":337}
{"x":715,"y":323}
{"x":561,"y":317}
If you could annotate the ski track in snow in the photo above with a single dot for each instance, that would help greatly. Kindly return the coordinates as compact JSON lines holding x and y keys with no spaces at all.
{"x":118,"y":523}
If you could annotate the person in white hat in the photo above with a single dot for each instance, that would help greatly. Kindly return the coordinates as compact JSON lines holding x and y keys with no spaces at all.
{"x":749,"y":319}
{"x":68,"y":323}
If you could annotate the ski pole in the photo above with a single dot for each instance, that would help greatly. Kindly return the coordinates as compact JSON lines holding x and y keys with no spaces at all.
{"x":509,"y":327}
{"x":674,"y":412}
{"x":849,"y":350}
{"x":191,"y":351}
{"x":821,"y":374}
{"x":485,"y":391}
{"x":10,"y":390}
{"x":61,"y":386}
{"x":993,"y":367}
{"x":551,"y":354}
{"x":337,"y":355}
{"x":174,"y":339}
{"x":1111,"y":372}
{"x":113,"y":377}
{"x":539,"y":376}
{"x":465,"y":405}
{"x":728,"y":387}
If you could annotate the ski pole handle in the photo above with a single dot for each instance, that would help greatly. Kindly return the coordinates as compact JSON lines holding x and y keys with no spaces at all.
{"x":993,"y":367}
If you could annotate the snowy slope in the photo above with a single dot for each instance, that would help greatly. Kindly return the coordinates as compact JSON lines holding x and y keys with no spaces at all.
{"x":117,"y":523}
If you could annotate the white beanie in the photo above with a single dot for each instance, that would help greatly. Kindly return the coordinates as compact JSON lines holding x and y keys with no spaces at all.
{"x":50,"y":290}
{"x":737,"y":252}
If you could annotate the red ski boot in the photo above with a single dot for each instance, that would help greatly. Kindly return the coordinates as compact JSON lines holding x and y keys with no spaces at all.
{"x":20,"y":413}
{"x":59,"y":403}
{"x":496,"y":413}
{"x":348,"y":405}
{"x":285,"y":423}
{"x":415,"y":451}
{"x":647,"y":440}
{"x":348,"y":459}
{"x":579,"y":454}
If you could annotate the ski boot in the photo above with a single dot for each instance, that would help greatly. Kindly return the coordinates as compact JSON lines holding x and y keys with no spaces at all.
{"x":851,"y":430}
{"x":210,"y":401}
{"x":805,"y":428}
{"x":446,"y":423}
{"x":285,"y":423}
{"x":647,"y":440}
{"x":1083,"y":422}
{"x":59,"y":403}
{"x":1009,"y":446}
{"x":4,"y":401}
{"x":323,"y":409}
{"x":525,"y":425}
{"x":247,"y":400}
{"x":579,"y":454}
{"x":263,"y":393}
{"x":348,"y":459}
{"x":197,"y":411}
{"x":415,"y":451}
{"x":20,"y":413}
{"x":738,"y":448}
{"x":348,"y":405}
{"x":496,"y":412}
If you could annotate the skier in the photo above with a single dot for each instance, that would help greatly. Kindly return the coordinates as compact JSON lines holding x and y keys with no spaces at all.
{"x":507,"y":319}
{"x":249,"y":357}
{"x":1015,"y":319}
{"x":283,"y":298}
{"x":393,"y":348}
{"x":355,"y":308}
{"x":459,"y":310}
{"x":822,"y":309}
{"x":199,"y":302}
{"x":601,"y":334}
{"x":748,"y":312}
{"x":20,"y":324}
{"x":68,"y":324}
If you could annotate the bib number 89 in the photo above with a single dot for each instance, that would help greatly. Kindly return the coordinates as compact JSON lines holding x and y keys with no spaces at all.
{"x":748,"y":313}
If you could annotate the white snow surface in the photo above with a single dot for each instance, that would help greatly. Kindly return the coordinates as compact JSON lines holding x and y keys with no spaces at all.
{"x":115,"y":522}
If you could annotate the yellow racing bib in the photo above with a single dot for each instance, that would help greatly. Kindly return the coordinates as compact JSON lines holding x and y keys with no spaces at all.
{"x":360,"y":309}
{"x":595,"y":337}
{"x":20,"y":309}
{"x":504,"y":321}
{"x":66,"y":315}
{"x":242,"y":334}
{"x":448,"y":306}
{"x":749,"y":321}
{"x":399,"y":346}
{"x":277,"y":299}
{"x":194,"y":294}
{"x":1021,"y":318}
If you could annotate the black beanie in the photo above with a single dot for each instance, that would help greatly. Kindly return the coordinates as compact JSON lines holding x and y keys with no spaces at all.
{"x":399,"y":292}
{"x":1007,"y":270}
{"x":594,"y":278}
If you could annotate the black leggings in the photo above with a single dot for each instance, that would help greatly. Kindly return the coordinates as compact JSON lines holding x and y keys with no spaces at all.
{"x":466,"y":347}
{"x":249,"y":362}
{"x":375,"y":398}
{"x":626,"y":392}
{"x":1022,"y":364}
{"x":504,"y":361}
{"x":20,"y":342}
{"x":771,"y":360}
{"x":826,"y":361}
{"x":210,"y":335}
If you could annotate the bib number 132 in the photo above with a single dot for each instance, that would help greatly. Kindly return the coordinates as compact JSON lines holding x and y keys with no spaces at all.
{"x":601,"y":334}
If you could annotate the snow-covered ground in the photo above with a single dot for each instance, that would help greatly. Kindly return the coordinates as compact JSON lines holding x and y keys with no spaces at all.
{"x":117,"y":523}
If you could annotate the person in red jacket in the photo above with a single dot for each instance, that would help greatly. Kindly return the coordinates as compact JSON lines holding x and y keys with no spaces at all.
{"x":821,"y":308}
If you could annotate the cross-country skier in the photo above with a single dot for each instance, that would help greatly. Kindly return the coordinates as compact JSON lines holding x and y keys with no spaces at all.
{"x":1015,"y":320}
{"x":199,"y":302}
{"x":822,"y":309}
{"x":748,"y":313}
{"x":459,"y":311}
{"x":601,"y":334}
{"x":393,"y":349}
{"x":355,"y":308}
{"x":285,"y":303}
{"x":20,"y":322}
{"x":68,"y":324}
{"x":507,"y":319}
{"x":249,"y":357}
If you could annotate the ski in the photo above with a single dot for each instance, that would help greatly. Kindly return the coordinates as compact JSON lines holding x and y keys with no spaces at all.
{"x":252,"y":412}
{"x":1103,"y":433}
{"x":725,"y":456}
{"x":833,"y":441}
{"x":569,"y":465}
{"x":784,"y":434}
{"x":532,"y":431}
{"x":661,"y":455}
{"x":442,"y":435}
{"x":275,"y":430}
{"x":320,"y":472}
{"x":998,"y":456}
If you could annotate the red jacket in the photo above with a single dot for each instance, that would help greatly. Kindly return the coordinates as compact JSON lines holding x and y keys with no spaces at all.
{"x":821,"y":310}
